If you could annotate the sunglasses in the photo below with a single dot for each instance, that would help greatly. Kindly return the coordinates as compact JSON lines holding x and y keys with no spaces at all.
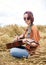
{"x":28,"y":18}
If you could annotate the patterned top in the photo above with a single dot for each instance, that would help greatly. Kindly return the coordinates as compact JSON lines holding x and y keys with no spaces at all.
{"x":29,"y":31}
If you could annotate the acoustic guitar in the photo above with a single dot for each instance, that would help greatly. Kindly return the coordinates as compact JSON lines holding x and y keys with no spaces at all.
{"x":19,"y":43}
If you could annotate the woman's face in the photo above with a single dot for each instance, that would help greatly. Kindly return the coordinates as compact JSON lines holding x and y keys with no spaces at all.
{"x":27,"y":19}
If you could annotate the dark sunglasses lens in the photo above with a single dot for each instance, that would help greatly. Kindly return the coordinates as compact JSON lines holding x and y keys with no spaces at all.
{"x":24,"y":18}
{"x":28,"y":18}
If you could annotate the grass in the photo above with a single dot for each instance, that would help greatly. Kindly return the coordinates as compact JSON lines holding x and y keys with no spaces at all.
{"x":7,"y":34}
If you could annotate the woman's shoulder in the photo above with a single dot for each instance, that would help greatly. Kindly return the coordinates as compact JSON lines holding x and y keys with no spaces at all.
{"x":34,"y":27}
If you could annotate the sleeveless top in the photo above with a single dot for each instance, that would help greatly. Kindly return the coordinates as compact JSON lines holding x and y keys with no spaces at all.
{"x":29,"y":29}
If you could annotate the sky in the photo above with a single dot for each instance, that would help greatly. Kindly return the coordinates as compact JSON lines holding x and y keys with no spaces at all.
{"x":11,"y":11}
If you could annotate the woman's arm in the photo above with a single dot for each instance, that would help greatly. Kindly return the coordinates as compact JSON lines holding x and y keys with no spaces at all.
{"x":23,"y":35}
{"x":36,"y":35}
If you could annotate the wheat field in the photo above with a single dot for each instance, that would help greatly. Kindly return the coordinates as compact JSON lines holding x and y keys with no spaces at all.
{"x":8,"y":33}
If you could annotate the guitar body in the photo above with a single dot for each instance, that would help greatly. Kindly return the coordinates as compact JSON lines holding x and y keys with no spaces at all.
{"x":19,"y":44}
{"x":14,"y":44}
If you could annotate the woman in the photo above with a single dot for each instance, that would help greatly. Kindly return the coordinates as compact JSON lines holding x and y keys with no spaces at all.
{"x":31,"y":33}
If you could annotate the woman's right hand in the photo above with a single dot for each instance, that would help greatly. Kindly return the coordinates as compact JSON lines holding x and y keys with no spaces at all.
{"x":24,"y":40}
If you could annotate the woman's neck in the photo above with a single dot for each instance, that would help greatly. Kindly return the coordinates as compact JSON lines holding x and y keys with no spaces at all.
{"x":30,"y":25}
